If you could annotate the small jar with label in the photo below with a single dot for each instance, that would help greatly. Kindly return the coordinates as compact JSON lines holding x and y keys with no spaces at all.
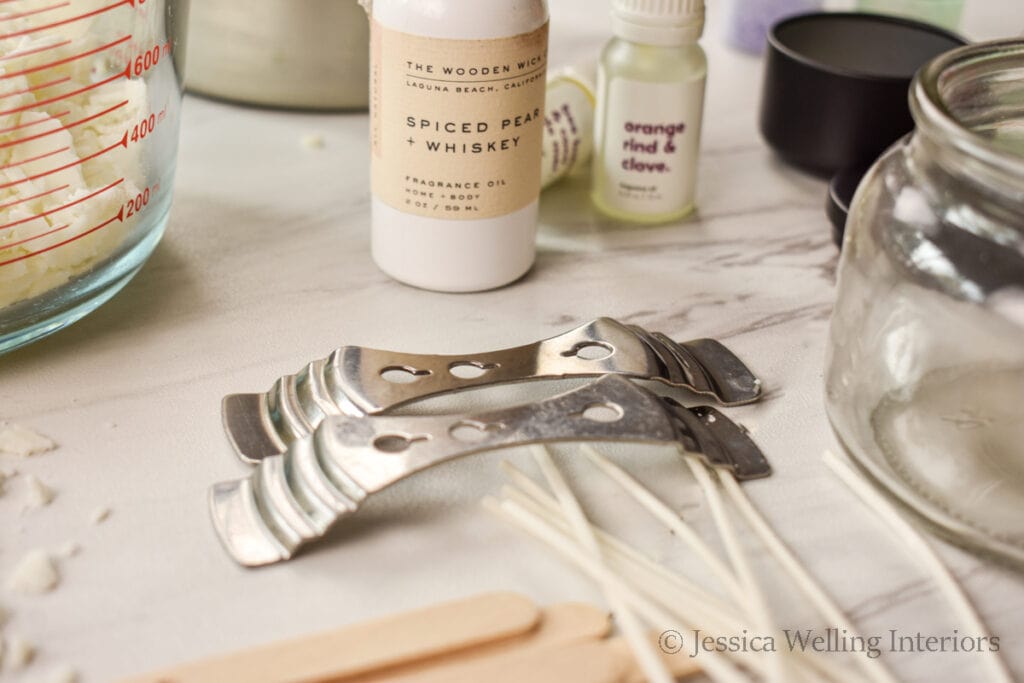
{"x":650,"y":100}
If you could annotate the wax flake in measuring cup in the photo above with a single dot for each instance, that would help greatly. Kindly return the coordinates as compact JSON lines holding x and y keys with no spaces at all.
{"x":76,"y":106}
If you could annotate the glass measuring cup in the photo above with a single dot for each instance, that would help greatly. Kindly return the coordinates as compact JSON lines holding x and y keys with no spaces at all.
{"x":90,"y":93}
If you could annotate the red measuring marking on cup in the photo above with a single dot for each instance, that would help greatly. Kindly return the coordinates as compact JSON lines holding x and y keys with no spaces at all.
{"x":64,"y":22}
{"x":24,"y":169}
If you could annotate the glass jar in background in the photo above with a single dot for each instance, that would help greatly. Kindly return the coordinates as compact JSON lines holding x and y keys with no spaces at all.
{"x":925,"y":372}
{"x":90,"y":93}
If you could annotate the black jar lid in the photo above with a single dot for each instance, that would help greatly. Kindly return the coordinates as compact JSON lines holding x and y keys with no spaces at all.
{"x":835,"y":85}
{"x":841,"y":189}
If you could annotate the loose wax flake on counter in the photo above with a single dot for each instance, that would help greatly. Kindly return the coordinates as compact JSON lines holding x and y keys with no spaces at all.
{"x":40,"y":495}
{"x":100,"y":515}
{"x":313,"y":141}
{"x":19,"y":653}
{"x":23,"y":442}
{"x":69,"y":549}
{"x":35,"y":573}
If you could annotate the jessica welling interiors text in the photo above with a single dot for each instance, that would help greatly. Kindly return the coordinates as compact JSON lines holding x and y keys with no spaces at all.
{"x":830,"y":640}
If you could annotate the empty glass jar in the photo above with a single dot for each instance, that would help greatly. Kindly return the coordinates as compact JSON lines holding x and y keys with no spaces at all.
{"x":925,"y":374}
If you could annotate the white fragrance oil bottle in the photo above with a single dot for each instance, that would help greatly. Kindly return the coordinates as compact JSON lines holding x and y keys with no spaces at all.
{"x":650,"y":100}
{"x":457,"y":111}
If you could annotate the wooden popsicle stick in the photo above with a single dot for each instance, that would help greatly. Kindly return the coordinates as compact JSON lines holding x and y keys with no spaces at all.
{"x":608,"y":660}
{"x":562,"y":624}
{"x":369,"y":646}
{"x":679,"y":664}
{"x":593,"y":661}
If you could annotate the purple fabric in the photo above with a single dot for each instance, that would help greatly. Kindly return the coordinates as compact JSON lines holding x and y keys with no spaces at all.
{"x":750,"y":20}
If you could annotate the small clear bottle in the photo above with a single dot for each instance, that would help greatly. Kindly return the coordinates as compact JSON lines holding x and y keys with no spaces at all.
{"x":650,"y":101}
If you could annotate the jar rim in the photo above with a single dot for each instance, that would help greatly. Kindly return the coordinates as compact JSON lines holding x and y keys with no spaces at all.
{"x":935,"y":118}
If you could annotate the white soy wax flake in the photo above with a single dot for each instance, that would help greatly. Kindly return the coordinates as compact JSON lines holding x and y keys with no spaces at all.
{"x":22,"y":441}
{"x":100,"y":515}
{"x":313,"y":141}
{"x":40,"y":495}
{"x":19,"y":653}
{"x":35,"y":573}
{"x":69,"y":549}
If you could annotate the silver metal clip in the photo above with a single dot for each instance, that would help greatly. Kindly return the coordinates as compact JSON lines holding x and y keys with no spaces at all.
{"x":360,"y":381}
{"x":292,"y":499}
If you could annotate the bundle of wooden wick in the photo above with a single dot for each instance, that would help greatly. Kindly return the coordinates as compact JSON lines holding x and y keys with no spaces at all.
{"x":506,"y":638}
{"x":640,"y":591}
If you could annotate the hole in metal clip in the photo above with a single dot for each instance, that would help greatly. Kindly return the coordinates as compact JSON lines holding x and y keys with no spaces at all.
{"x":470,"y":369}
{"x":402,"y":374}
{"x":590,"y":350}
{"x":473,"y":432}
{"x":395,"y":443}
{"x":603,"y":412}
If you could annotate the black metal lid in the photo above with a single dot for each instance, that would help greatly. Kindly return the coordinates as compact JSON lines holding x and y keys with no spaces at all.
{"x":840,"y":195}
{"x":835,"y":85}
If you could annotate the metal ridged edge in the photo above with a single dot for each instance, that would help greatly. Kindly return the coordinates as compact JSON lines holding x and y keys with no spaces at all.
{"x":668,"y":367}
{"x":286,"y":413}
{"x":695,"y":373}
{"x":247,"y":424}
{"x":311,"y":394}
{"x":718,"y":440}
{"x":289,"y":499}
{"x":332,"y":381}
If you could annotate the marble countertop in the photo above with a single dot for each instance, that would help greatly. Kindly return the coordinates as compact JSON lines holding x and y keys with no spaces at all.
{"x":266,"y":266}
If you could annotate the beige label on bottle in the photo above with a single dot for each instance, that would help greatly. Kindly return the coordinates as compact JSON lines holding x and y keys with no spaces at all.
{"x":457,"y":124}
{"x":570,"y":129}
{"x":652,"y":142}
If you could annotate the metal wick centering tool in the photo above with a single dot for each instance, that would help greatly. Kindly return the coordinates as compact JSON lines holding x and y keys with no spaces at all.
{"x":293,"y":498}
{"x":358,"y":381}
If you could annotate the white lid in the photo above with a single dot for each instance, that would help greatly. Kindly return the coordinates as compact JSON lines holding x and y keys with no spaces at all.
{"x":658,"y":22}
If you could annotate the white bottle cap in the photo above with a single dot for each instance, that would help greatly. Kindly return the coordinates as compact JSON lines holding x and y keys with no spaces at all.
{"x":658,"y":22}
